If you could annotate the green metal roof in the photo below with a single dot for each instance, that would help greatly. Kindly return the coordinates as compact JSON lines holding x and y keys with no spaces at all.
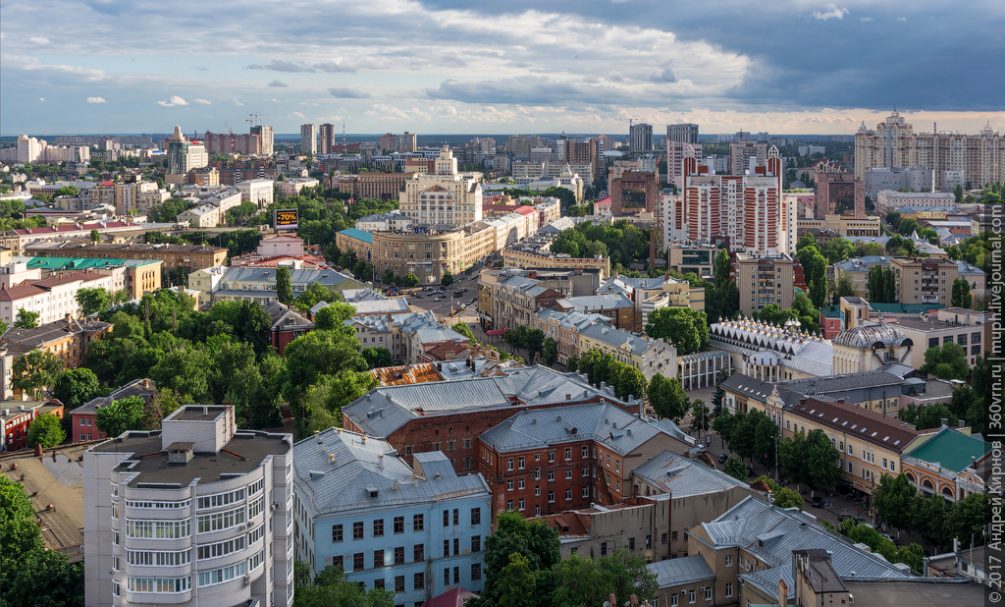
{"x":951,"y":449}
{"x":902,"y":308}
{"x":831,"y":311}
{"x":82,"y":263}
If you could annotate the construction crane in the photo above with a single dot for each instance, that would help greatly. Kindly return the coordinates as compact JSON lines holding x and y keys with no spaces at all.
{"x":254,"y":119}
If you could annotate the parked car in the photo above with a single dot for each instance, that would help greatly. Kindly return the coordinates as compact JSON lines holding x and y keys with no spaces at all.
{"x":818,"y":501}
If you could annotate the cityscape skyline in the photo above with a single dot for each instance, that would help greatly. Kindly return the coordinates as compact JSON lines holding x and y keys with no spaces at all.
{"x":499,"y":68}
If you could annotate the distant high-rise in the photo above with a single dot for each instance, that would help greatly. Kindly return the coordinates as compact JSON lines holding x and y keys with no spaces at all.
{"x":582,"y":152}
{"x":326,"y":138}
{"x":742,"y":153}
{"x":388,"y":142}
{"x":184,"y":155}
{"x":266,"y":138}
{"x":679,"y":137}
{"x":309,"y":139}
{"x":640,"y":138}
{"x":974,"y":160}
{"x":408,"y":142}
{"x":684,"y":132}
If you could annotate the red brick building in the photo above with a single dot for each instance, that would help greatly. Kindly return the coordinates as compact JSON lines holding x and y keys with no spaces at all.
{"x":450,"y":416}
{"x":540,"y":462}
{"x":632,"y":192}
{"x":16,"y":418}
{"x":84,"y":419}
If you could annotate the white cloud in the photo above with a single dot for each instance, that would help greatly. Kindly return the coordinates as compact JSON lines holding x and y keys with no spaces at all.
{"x":96,"y":100}
{"x":201,"y":101}
{"x":39,"y":40}
{"x":41,"y":99}
{"x":902,"y":19}
{"x":174,"y":101}
{"x":299,"y":115}
{"x":237,"y":102}
{"x":830,"y":11}
{"x":866,"y":19}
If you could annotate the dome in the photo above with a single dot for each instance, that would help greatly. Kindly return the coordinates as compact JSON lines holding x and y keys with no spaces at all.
{"x":867,"y":336}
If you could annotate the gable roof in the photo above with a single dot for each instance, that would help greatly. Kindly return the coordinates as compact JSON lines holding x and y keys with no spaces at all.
{"x":887,"y":432}
{"x":950,"y":449}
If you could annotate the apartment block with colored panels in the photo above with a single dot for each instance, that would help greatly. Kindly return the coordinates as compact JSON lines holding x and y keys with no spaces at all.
{"x":541,"y":462}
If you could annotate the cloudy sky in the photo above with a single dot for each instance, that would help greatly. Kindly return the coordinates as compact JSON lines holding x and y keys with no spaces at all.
{"x":454,"y":66}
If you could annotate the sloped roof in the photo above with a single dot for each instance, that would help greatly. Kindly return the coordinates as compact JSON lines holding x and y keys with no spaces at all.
{"x":343,"y":471}
{"x":887,"y":432}
{"x":950,"y":449}
{"x":681,"y":570}
{"x":619,"y":430}
{"x":683,"y":477}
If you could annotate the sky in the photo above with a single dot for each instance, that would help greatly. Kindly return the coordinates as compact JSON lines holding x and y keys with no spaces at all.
{"x":497,"y":67}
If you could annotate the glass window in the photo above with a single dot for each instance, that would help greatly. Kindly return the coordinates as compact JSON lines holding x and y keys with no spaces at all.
{"x":357,"y":530}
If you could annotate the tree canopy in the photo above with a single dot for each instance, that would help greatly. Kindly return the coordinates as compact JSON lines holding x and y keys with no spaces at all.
{"x":685,"y":328}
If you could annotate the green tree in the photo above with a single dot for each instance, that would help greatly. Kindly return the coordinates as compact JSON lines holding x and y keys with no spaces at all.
{"x":531,"y":540}
{"x":578,"y":581}
{"x":893,"y":500}
{"x":447,"y":280}
{"x":815,"y":270}
{"x":961,"y":293}
{"x":34,"y":372}
{"x":687,"y":329}
{"x":465,"y":330}
{"x":377,"y":357}
{"x":968,"y":518}
{"x":410,"y":280}
{"x":122,"y":415}
{"x":46,"y":430}
{"x":736,"y":468}
{"x":929,"y":516}
{"x":844,"y":286}
{"x":246,"y":321}
{"x":315,"y":293}
{"x":320,"y":352}
{"x":823,"y":471}
{"x":74,"y":387}
{"x":333,"y":316}
{"x":549,"y":351}
{"x":92,"y":301}
{"x":784,"y":497}
{"x":284,"y":285}
{"x":838,"y":249}
{"x":928,"y":416}
{"x":26,"y":319}
{"x":948,"y":361}
{"x":388,"y":277}
{"x":331,"y":589}
{"x":515,"y":580}
{"x":792,"y":457}
{"x":700,"y":418}
{"x":667,"y":397}
{"x":628,"y":381}
{"x":323,"y":401}
{"x":188,"y":370}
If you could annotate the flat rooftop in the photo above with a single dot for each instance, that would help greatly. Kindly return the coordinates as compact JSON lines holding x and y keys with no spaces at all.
{"x":241,"y":455}
{"x":196,"y":413}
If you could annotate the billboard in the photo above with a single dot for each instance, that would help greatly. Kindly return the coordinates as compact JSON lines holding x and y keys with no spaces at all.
{"x":285,"y":219}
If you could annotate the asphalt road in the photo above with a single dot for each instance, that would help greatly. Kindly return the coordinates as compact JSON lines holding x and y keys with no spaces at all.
{"x":457,"y":299}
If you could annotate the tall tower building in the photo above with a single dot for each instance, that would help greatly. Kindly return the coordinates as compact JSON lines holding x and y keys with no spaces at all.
{"x":679,"y":137}
{"x":266,"y":138}
{"x":640,"y":138}
{"x":408,"y":143}
{"x":196,"y":513}
{"x":326,"y":138}
{"x":309,"y":139}
{"x":445,"y":197}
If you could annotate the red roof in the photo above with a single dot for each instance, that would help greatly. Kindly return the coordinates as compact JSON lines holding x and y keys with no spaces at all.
{"x":603,"y":202}
{"x":525,"y":210}
{"x":107,"y":183}
{"x":455,"y":597}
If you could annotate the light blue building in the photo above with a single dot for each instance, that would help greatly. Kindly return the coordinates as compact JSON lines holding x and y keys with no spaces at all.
{"x":415,"y":531}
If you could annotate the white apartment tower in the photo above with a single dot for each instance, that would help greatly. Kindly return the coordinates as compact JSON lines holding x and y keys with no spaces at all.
{"x":309,"y":139}
{"x":446,"y":197}
{"x":679,"y":137}
{"x":197,"y":513}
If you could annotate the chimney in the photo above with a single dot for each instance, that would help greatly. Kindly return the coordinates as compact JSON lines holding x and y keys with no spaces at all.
{"x":331,"y":457}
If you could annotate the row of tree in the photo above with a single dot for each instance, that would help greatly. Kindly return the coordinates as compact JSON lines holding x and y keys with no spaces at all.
{"x":623,"y":242}
{"x":601,"y":368}
{"x":899,"y":505}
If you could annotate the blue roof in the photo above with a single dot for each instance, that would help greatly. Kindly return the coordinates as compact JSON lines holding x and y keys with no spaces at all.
{"x":358,"y":235}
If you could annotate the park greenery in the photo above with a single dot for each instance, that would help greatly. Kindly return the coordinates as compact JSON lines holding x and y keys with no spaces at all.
{"x":622,"y":242}
{"x":46,"y":430}
{"x":30,"y":573}
{"x":667,"y":397}
{"x":330,"y":588}
{"x":814,"y":265}
{"x":802,"y":310}
{"x":900,"y":506}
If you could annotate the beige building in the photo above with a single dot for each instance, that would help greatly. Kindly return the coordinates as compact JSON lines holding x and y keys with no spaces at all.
{"x":951,"y":325}
{"x":842,"y":225}
{"x":893,"y":144}
{"x":430,"y":255}
{"x":764,"y":280}
{"x":446,"y":197}
{"x":534,"y":256}
{"x":925,"y":280}
{"x":189,"y":257}
{"x":137,"y":197}
{"x":647,"y":355}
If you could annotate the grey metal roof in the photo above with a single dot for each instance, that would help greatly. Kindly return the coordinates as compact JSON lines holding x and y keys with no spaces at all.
{"x":617,"y":338}
{"x":619,"y":430}
{"x":388,"y":408}
{"x":342,"y":471}
{"x":302,"y":276}
{"x":682,"y":570}
{"x":682,"y":477}
{"x":595,"y":302}
{"x":755,"y":388}
{"x":772,"y":533}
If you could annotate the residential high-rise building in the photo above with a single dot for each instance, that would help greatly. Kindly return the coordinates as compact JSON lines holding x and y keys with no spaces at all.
{"x":326,"y":138}
{"x":679,"y":137}
{"x":388,"y":142}
{"x":266,"y":138}
{"x":763,"y":280}
{"x":684,"y":132}
{"x":640,"y":138}
{"x":408,"y":143}
{"x":956,"y":158}
{"x":414,"y":530}
{"x":184,"y":155}
{"x":582,"y":152}
{"x":446,"y":197}
{"x":745,"y":154}
{"x":309,"y":139}
{"x":837,"y":192}
{"x":196,"y":513}
{"x":743,"y":210}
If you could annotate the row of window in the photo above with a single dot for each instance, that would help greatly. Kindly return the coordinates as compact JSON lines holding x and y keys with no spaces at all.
{"x":522,"y":503}
{"x":418,"y":524}
{"x":152,"y":558}
{"x":158,"y":505}
{"x":221,"y":520}
{"x":158,"y":530}
{"x":419,"y":578}
{"x":398,"y":554}
{"x":218,"y":549}
{"x":221,"y":499}
{"x":159,"y":584}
